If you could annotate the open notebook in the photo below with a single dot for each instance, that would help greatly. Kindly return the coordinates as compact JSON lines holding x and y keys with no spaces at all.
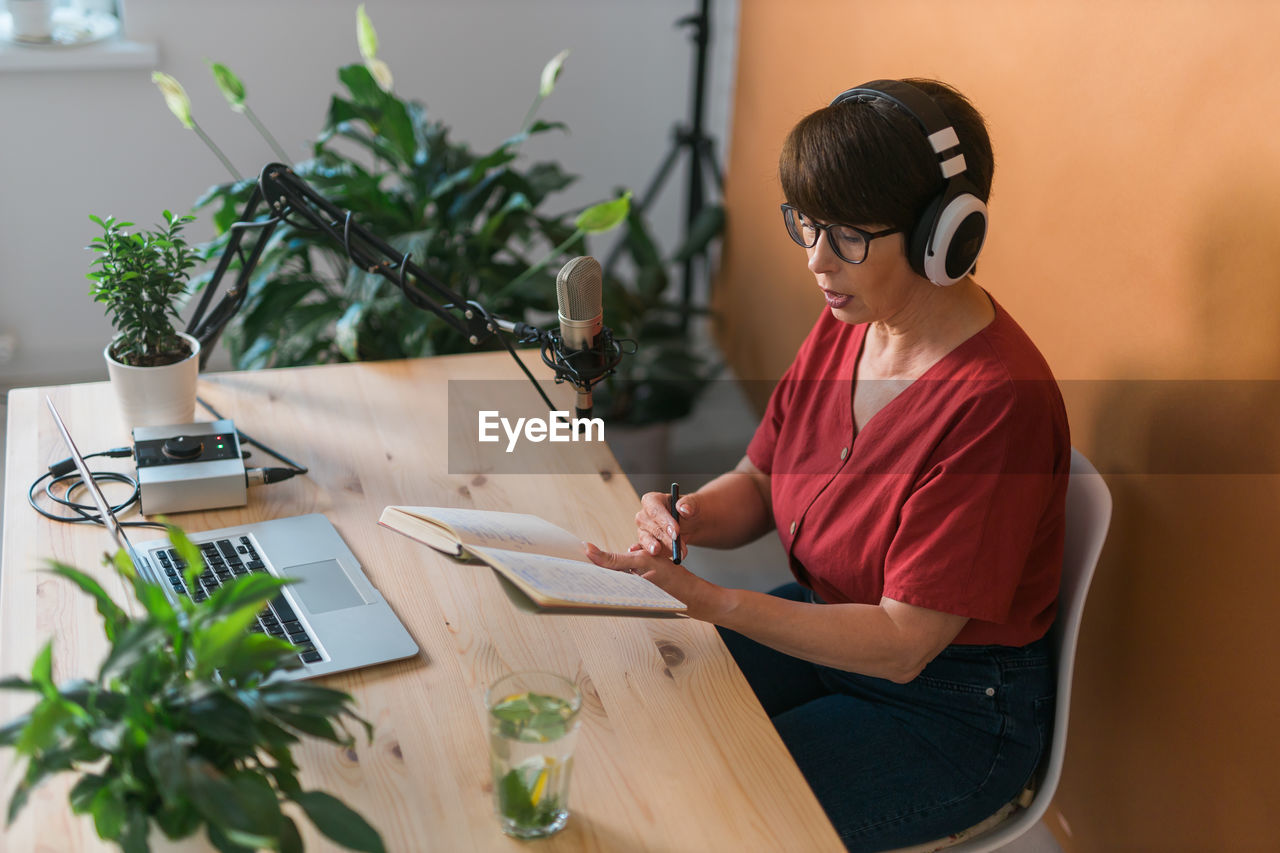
{"x":546,"y":562}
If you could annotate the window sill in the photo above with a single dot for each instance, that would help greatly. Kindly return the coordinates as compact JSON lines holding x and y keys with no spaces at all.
{"x":90,"y":57}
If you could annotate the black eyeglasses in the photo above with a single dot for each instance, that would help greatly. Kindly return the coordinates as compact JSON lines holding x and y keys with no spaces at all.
{"x":849,"y":243}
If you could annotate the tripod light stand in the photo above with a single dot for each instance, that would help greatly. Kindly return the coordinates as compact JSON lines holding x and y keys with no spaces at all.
{"x":701,"y":219}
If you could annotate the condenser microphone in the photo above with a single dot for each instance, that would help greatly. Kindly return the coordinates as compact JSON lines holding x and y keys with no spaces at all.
{"x":578,"y":296}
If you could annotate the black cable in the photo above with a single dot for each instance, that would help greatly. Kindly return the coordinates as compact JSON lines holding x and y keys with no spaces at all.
{"x":536,"y":384}
{"x":59,"y":474}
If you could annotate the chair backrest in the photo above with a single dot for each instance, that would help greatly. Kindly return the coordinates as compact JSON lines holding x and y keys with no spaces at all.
{"x":1088,"y":518}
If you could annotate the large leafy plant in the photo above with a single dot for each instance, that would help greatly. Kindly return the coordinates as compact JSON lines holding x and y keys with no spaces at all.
{"x":141,"y":277}
{"x":184,"y":725}
{"x":475,"y":220}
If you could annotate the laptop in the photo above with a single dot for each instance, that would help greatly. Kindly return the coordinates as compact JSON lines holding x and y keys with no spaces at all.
{"x":331,"y":612}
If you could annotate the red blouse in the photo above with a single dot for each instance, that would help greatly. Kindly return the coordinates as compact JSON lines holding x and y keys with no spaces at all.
{"x":951,"y":497}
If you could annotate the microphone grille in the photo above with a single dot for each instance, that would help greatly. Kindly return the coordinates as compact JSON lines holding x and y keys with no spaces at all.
{"x":579,"y":289}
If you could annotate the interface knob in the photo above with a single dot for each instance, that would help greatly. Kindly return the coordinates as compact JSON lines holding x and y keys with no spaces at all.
{"x":183,"y":447}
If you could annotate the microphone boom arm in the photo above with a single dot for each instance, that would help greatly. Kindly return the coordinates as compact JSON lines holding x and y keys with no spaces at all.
{"x":285,"y":193}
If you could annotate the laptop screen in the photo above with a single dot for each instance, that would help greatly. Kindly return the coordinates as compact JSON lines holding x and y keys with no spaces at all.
{"x":95,"y":491}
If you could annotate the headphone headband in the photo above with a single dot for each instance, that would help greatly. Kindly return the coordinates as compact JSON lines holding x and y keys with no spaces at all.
{"x":927,"y":114}
{"x":945,"y":242}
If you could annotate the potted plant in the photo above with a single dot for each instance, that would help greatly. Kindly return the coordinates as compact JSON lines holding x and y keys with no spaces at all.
{"x":141,"y":278}
{"x":186,"y":724}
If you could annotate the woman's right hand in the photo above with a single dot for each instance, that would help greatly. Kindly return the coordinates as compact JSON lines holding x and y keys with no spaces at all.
{"x":656,"y":526}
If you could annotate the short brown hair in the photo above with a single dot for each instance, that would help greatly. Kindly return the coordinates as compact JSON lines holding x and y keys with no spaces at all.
{"x":868,"y":163}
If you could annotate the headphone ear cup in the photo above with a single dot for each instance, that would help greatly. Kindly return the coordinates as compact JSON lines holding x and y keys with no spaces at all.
{"x":959,"y":231}
{"x":918,"y":243}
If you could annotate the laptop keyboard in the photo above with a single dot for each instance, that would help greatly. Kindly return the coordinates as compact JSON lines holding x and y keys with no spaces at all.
{"x":225,"y":559}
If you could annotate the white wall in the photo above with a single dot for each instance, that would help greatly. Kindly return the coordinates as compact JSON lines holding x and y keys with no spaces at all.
{"x":79,"y":142}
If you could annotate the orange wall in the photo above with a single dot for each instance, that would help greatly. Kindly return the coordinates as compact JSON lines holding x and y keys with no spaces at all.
{"x":1136,"y":236}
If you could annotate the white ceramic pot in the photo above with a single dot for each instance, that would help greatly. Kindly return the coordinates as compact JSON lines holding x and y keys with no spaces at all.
{"x":156,"y":396}
{"x":32,"y":20}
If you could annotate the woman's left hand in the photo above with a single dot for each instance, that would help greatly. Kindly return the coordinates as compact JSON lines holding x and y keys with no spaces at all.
{"x":705,"y":600}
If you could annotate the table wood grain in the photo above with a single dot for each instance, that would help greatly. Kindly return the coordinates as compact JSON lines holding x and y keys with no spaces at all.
{"x":675,"y":752}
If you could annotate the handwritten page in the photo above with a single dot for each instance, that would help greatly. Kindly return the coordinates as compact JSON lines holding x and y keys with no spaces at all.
{"x":568,"y":581}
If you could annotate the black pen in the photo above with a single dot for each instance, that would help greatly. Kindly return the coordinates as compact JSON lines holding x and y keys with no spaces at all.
{"x":675,"y":540}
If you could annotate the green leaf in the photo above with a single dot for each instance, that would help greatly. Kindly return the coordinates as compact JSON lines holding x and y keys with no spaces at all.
{"x":363,"y":88}
{"x":467,"y":205}
{"x":230,"y":86}
{"x":285,"y":772}
{"x":706,"y":226}
{"x":541,"y":126}
{"x":137,"y":641}
{"x":604,"y":216}
{"x":260,"y":802}
{"x":366,"y":35}
{"x":167,"y":760}
{"x":232,"y":190}
{"x":514,"y":800}
{"x":21,"y":794}
{"x":514,"y":202}
{"x":339,"y":822}
{"x":217,"y":646}
{"x":224,"y":718}
{"x":640,"y":245}
{"x":134,"y":838}
{"x":284,"y":296}
{"x":42,"y":670}
{"x":341,"y":111}
{"x":348,"y":331}
{"x":305,"y":698}
{"x":310,"y":724}
{"x":85,"y":790}
{"x":108,"y":810}
{"x":153,"y":600}
{"x":178,"y":820}
{"x":290,"y":838}
{"x":545,"y":179}
{"x":188,"y":551}
{"x":215,"y":797}
{"x":259,"y":654}
{"x":398,"y":127}
{"x":247,"y":591}
{"x":18,"y":799}
{"x":224,"y":840}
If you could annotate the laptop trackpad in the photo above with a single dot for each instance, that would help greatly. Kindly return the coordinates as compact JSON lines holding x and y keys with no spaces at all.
{"x":323,"y":586}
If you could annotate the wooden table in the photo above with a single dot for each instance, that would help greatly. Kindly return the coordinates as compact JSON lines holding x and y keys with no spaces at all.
{"x":675,"y":751}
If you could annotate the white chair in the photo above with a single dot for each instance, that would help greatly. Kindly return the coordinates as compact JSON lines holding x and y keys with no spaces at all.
{"x":1088,"y":518}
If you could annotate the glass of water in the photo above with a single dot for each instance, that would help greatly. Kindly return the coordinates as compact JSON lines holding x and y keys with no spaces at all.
{"x":533,"y":725}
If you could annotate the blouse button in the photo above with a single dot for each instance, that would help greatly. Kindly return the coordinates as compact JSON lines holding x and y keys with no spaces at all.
{"x":793,"y":528}
{"x":991,"y":691}
{"x":844,"y":453}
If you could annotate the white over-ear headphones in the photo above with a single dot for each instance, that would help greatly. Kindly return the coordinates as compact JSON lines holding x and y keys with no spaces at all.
{"x":944,"y":243}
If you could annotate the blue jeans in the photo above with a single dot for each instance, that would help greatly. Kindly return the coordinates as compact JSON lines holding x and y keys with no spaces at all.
{"x":899,"y":764}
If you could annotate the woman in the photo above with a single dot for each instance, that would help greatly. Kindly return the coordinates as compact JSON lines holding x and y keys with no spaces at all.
{"x":914,"y":462}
